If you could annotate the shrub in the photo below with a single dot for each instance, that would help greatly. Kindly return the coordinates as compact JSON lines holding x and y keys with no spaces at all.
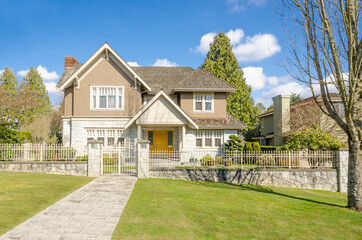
{"x":234,"y":144}
{"x":207,"y":160}
{"x":82,"y":158}
{"x":265,"y":160}
{"x":269,"y":148}
{"x":248,"y":146}
{"x":256,"y":146}
{"x":218,"y":160}
{"x":312,"y":139}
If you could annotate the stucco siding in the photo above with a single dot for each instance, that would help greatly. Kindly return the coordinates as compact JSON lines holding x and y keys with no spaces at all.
{"x":106,"y":73}
{"x":268,"y":125}
{"x":187,"y":104}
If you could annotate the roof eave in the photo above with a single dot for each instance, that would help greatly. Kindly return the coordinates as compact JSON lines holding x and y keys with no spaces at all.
{"x":232,"y":90}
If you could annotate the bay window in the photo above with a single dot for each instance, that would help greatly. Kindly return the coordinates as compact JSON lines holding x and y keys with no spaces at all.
{"x":209,"y":139}
{"x":108,"y":137}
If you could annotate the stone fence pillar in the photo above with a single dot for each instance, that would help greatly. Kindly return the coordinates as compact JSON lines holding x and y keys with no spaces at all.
{"x":342,"y":170}
{"x":94,"y":158}
{"x":142,"y":160}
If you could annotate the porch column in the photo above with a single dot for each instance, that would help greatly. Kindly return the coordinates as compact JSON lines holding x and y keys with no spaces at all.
{"x":183,"y":137}
{"x":139,"y":132}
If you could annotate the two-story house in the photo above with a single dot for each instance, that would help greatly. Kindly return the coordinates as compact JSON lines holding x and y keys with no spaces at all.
{"x":175,"y":108}
{"x":285,"y":118}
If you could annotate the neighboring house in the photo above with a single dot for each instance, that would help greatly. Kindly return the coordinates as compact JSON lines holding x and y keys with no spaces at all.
{"x":176,"y":108}
{"x":286,"y":118}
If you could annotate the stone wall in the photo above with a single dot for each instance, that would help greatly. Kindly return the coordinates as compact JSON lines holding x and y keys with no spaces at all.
{"x":325,"y":179}
{"x":66,"y":168}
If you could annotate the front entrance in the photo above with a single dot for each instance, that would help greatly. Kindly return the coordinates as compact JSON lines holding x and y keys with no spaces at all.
{"x":160,"y":140}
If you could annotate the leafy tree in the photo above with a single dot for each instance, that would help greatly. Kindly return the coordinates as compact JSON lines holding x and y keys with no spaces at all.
{"x":221,"y":62}
{"x":312,"y":139}
{"x":233,"y":144}
{"x":295,"y":97}
{"x":326,"y":47}
{"x":32,"y":86}
{"x":261,"y":108}
{"x":7,"y":134}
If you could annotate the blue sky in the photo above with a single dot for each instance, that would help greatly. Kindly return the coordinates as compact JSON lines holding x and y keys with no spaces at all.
{"x":40,"y":33}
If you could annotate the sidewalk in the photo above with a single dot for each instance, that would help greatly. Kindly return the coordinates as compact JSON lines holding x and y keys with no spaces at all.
{"x":91,"y":212}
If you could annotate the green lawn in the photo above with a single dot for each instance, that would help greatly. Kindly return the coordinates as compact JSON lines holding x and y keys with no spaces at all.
{"x":22,"y":195}
{"x":174,"y":209}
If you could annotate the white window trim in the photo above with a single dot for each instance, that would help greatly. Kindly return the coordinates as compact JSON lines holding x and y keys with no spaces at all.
{"x":203,"y":102}
{"x":212,"y":139}
{"x":116,"y":135}
{"x":91,"y":108}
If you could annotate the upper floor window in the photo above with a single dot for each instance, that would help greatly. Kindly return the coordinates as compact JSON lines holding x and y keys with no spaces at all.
{"x":339,"y":108}
{"x":107,"y":97}
{"x":203,"y":102}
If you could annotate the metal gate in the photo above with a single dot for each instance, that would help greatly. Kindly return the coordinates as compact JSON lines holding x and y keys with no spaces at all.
{"x":120,"y":160}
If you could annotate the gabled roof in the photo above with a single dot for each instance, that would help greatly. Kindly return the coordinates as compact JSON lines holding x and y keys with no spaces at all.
{"x":334,"y":97}
{"x":165,"y":78}
{"x":73,"y":74}
{"x":153,"y":100}
{"x":202,"y":80}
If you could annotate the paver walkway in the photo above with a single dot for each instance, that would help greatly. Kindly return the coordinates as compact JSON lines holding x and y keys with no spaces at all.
{"x":91,"y":212}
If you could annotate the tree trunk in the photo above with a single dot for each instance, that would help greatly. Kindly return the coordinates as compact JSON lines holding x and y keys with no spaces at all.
{"x":355,"y":175}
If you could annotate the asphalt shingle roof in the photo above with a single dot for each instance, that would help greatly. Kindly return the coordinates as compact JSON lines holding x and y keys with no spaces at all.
{"x":169,"y":78}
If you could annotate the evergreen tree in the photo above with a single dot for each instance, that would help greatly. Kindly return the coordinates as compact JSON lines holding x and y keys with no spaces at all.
{"x":8,"y":95}
{"x":32,"y":87}
{"x":221,"y":62}
{"x":8,"y":83}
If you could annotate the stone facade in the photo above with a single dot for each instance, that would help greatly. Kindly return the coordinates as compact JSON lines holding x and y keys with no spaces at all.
{"x":74,"y":131}
{"x":325,"y":179}
{"x":66,"y":168}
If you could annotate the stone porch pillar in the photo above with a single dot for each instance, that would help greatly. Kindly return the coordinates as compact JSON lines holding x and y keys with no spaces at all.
{"x":94,"y":158}
{"x":142,"y":161}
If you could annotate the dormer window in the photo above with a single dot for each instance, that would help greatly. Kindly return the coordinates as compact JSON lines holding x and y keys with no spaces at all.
{"x":203,"y":102}
{"x":107,"y":98}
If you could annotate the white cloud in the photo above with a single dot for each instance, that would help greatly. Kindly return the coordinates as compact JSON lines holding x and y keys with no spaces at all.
{"x":205,"y":42}
{"x":248,"y":49}
{"x":1,"y":71}
{"x":235,"y":36}
{"x":257,"y":48}
{"x":43,"y":71}
{"x":133,"y":64}
{"x":256,"y":78}
{"x":47,"y":76}
{"x":164,"y":63}
{"x":240,"y":5}
{"x":51,"y":87}
{"x":22,"y":73}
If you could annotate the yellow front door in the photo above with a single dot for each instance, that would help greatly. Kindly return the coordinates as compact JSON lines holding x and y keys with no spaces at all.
{"x":161,"y":140}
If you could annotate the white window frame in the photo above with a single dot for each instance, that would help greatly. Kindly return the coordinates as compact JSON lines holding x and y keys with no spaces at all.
{"x":213,"y":134}
{"x":117,"y":108}
{"x":95,"y":133}
{"x":203,"y":102}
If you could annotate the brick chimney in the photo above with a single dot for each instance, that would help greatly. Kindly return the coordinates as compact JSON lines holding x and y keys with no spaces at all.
{"x":69,"y":62}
